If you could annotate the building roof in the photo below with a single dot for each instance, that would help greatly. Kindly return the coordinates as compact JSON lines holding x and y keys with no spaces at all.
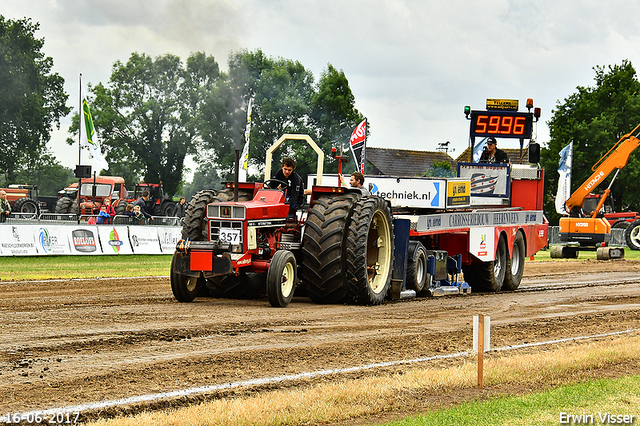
{"x":512,"y":153}
{"x":404,"y":162}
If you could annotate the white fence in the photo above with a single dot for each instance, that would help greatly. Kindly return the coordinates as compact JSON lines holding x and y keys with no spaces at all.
{"x":59,"y":238}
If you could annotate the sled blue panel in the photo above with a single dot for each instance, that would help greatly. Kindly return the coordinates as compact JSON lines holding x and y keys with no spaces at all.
{"x":402,"y":229}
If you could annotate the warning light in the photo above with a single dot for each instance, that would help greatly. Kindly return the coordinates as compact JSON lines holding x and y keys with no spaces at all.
{"x":536,"y":113}
{"x":529,"y":103}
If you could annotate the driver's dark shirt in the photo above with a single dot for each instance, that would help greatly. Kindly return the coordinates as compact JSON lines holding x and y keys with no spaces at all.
{"x":295,"y":191}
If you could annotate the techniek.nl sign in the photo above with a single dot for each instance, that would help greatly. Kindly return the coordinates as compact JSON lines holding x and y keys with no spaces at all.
{"x":427,"y":193}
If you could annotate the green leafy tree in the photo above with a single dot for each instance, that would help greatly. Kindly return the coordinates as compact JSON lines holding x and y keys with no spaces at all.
{"x":333,"y":116}
{"x":286,"y":100}
{"x":594,"y":118}
{"x":440,"y":169}
{"x":45,"y":172}
{"x":32,"y":98}
{"x":146,"y":117}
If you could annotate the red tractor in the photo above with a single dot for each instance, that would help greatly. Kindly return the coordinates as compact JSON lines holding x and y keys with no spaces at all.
{"x":24,"y":199}
{"x":93,"y":191}
{"x":158,"y":203}
{"x":247,"y":248}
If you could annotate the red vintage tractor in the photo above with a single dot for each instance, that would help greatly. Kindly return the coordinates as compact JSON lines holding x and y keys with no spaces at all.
{"x":248,"y":247}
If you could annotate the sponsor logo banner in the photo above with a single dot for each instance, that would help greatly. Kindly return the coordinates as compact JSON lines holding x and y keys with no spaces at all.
{"x":17,"y":240}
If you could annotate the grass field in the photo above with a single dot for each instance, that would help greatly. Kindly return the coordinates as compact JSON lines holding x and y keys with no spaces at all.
{"x":51,"y":267}
{"x":550,"y":382}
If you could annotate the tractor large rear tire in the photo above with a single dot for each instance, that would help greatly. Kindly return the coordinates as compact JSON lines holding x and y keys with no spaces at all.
{"x":488,"y":276}
{"x":632,"y":235}
{"x":121,"y":207}
{"x":323,"y":254}
{"x":195,"y":225}
{"x":168,"y":208}
{"x":64,"y":204}
{"x":515,"y":264}
{"x":370,"y":250}
{"x":26,"y":206}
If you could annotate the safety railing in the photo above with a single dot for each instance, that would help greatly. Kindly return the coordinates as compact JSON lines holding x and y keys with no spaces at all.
{"x":64,"y":218}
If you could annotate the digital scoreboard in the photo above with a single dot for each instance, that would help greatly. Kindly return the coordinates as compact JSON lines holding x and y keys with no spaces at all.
{"x":501,"y":124}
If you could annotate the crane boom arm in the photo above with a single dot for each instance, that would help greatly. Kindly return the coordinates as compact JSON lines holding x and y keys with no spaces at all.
{"x":616,"y":158}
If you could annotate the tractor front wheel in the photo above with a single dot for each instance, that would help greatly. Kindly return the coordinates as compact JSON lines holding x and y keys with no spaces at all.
{"x":184,"y":288}
{"x":281,"y":278}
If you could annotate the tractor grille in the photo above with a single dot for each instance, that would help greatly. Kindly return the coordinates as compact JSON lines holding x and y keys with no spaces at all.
{"x":217,"y":211}
{"x":216,"y":226}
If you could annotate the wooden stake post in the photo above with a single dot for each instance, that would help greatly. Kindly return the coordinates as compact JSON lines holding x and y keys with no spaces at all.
{"x":481,"y":342}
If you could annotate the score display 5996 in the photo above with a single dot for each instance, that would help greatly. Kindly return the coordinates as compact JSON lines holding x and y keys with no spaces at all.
{"x":505,"y":124}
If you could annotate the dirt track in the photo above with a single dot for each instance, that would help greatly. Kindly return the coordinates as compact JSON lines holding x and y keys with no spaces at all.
{"x":74,"y":342}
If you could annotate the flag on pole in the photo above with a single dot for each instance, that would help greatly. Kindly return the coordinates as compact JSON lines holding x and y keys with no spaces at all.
{"x":244,"y":157}
{"x":564,"y":180}
{"x":87,"y":132}
{"x":358,"y":145}
{"x":479,"y":149}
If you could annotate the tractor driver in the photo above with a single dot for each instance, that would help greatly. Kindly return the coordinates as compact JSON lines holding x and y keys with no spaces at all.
{"x":294,"y":193}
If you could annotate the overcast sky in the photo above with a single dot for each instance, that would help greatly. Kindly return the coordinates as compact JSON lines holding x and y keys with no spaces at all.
{"x":412,"y":65}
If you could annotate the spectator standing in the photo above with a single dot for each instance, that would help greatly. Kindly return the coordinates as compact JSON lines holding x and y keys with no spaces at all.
{"x":181,"y":207}
{"x":103,"y":217}
{"x":357,"y":181}
{"x":137,"y":214}
{"x":5,"y":207}
{"x":110,"y":210}
{"x":128,"y":211}
{"x":142,"y":203}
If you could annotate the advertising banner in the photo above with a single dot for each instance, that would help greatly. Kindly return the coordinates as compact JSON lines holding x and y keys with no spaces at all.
{"x":486,"y":180}
{"x":169,"y":238}
{"x":84,"y":240}
{"x":52,"y":240}
{"x":17,"y":240}
{"x":114,"y":239}
{"x":144,"y":240}
{"x":482,"y":243}
{"x":429,"y":193}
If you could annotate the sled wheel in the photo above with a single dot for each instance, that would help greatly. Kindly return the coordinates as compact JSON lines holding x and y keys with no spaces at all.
{"x":515,"y":265}
{"x":281,"y":278}
{"x":417,"y":267}
{"x":488,"y":276}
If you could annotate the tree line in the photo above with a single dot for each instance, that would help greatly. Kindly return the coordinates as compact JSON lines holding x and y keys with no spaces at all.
{"x":154,"y":112}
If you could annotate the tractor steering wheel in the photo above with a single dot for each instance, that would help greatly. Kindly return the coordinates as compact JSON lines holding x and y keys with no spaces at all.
{"x":283,"y":185}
